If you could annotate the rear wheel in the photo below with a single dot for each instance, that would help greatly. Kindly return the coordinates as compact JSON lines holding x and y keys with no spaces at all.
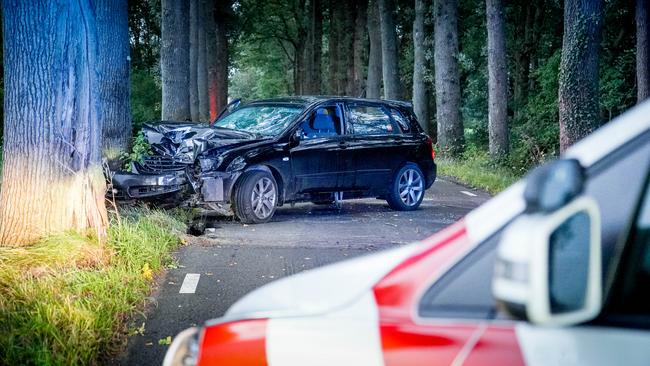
{"x":255,"y":197}
{"x":406,"y":190}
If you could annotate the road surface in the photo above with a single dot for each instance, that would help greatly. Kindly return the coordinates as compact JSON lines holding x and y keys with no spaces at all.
{"x":231,"y":259}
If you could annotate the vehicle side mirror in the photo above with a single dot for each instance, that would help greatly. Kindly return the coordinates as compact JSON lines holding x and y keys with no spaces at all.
{"x":296,"y":136}
{"x":548,"y":267}
{"x":553,"y":185}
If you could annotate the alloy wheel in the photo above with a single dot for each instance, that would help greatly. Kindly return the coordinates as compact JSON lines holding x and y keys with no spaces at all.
{"x":411,"y":187}
{"x":263,"y":198}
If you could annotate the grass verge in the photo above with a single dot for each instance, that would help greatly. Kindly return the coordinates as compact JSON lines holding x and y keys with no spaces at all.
{"x":66,"y":299}
{"x":478,"y":171}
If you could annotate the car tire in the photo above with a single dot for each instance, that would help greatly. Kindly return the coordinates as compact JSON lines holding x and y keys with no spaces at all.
{"x":256,"y":197}
{"x":406,"y":189}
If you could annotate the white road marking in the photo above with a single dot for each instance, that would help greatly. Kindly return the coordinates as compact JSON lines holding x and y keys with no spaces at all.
{"x":468,"y":193}
{"x":189,"y":283}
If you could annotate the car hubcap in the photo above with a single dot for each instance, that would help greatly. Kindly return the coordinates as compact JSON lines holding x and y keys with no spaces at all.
{"x":411,"y":187}
{"x":263,"y":198}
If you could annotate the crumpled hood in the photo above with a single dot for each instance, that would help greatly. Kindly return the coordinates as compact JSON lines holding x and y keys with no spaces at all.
{"x":185,"y":141}
{"x":320,"y":290}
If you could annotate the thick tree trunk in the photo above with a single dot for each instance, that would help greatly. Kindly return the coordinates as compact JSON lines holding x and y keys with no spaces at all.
{"x":578,"y":80}
{"x":497,"y":79}
{"x":194,"y":59}
{"x":450,"y":125}
{"x":373,"y":86}
{"x":334,"y":32}
{"x":114,"y":87}
{"x":346,"y":50}
{"x":221,"y":15}
{"x":212,"y":55}
{"x":51,"y":179}
{"x":420,"y":97}
{"x":392,"y":87}
{"x":642,"y":50}
{"x":316,"y":73}
{"x":202,"y":65}
{"x":360,"y":48}
{"x":175,"y":60}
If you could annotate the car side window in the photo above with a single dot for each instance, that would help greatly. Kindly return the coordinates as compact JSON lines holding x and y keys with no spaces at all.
{"x":324,"y":122}
{"x":465,"y":291}
{"x":402,"y":121}
{"x":371,"y":120}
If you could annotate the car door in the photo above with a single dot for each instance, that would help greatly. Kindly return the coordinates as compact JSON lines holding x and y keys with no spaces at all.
{"x":317,"y":164}
{"x":378,"y":145}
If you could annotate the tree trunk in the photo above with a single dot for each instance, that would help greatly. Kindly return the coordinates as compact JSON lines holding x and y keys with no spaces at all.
{"x":175,"y":60}
{"x":497,"y":80}
{"x":392,"y":87}
{"x":373,"y":86}
{"x":346,"y":52}
{"x":114,"y":87}
{"x":194,"y":59}
{"x":450,"y":125}
{"x":642,"y":50}
{"x":212,"y":54}
{"x":316,"y":73}
{"x":335,"y":24}
{"x":578,"y":80}
{"x":222,"y":9}
{"x":202,"y":65}
{"x":52,"y":179}
{"x":360,"y":48}
{"x":420,"y":97}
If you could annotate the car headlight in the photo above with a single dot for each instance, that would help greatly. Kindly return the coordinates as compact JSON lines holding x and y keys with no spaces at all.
{"x":184,"y":350}
{"x":206,"y":164}
{"x":238,"y":163}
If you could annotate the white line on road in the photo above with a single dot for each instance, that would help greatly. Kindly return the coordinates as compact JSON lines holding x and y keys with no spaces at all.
{"x":468,"y":193}
{"x":189,"y":283}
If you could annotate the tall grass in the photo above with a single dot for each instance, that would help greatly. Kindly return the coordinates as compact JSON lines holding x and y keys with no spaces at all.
{"x":66,"y":300}
{"x":478,"y":171}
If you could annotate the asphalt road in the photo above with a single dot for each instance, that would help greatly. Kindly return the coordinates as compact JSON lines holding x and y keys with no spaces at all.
{"x":232,"y":259}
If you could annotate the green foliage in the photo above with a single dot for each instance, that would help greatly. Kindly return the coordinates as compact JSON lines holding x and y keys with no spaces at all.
{"x":140,"y":149}
{"x":146,"y":97}
{"x":66,"y":299}
{"x":476,"y":169}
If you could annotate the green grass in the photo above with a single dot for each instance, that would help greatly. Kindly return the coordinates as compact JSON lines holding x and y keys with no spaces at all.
{"x":478,"y":171}
{"x":67,"y":299}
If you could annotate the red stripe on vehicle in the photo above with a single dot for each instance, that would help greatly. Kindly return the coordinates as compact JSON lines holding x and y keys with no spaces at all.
{"x":497,"y":346}
{"x":234,"y":343}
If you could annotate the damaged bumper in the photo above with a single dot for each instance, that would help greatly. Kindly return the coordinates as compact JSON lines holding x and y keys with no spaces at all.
{"x":212,"y":187}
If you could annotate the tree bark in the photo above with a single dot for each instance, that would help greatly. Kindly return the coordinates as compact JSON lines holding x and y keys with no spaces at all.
{"x":420,"y":97}
{"x":373,"y":85}
{"x":175,"y":59}
{"x":202,"y":65}
{"x":194,"y":59}
{"x":52,"y":180}
{"x":346,"y":50}
{"x":450,"y":126}
{"x":497,"y":79}
{"x":212,"y":54}
{"x":222,"y":14}
{"x":392,"y":87}
{"x":642,"y":51}
{"x":360,"y":48}
{"x":316,"y":73}
{"x":578,"y":80}
{"x":334,"y":32}
{"x":114,"y":87}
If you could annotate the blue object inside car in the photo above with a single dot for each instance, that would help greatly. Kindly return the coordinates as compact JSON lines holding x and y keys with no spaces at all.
{"x":324,"y":123}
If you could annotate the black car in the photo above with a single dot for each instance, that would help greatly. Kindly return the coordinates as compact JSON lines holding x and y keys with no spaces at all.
{"x":266,"y":153}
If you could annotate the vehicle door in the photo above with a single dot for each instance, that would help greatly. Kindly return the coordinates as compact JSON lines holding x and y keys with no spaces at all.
{"x":379,"y":144}
{"x":316,"y":160}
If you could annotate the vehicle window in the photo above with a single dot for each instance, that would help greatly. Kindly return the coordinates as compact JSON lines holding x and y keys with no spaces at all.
{"x":371,"y":120}
{"x":402,"y":121}
{"x":630,"y":294}
{"x":266,"y":120}
{"x":324,"y":122}
{"x":465,"y":291}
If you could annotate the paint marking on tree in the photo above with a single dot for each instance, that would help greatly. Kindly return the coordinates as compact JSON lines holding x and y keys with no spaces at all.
{"x":189,"y":283}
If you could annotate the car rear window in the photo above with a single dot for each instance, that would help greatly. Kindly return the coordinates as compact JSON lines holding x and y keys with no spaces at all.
{"x":371,"y":120}
{"x":402,"y":121}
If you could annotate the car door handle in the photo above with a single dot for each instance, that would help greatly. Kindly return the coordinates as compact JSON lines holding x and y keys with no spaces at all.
{"x":343,"y":144}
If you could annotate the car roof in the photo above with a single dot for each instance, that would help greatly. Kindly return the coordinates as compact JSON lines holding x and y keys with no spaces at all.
{"x":309,"y":100}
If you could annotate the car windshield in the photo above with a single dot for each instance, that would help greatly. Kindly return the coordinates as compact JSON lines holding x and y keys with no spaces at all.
{"x":265,"y":120}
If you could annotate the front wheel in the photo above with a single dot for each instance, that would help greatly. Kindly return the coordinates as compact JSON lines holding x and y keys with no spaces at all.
{"x":406,"y":190}
{"x":255,"y":197}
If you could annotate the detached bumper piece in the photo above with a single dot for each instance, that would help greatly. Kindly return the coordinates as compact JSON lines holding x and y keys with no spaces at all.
{"x":148,"y":186}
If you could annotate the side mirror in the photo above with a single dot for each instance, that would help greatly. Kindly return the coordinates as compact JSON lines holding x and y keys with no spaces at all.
{"x":553,"y":185}
{"x":296,"y":136}
{"x":548,"y":267}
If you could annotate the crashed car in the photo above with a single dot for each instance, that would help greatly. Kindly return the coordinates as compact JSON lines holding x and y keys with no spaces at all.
{"x":567,"y":249}
{"x":264,"y":154}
